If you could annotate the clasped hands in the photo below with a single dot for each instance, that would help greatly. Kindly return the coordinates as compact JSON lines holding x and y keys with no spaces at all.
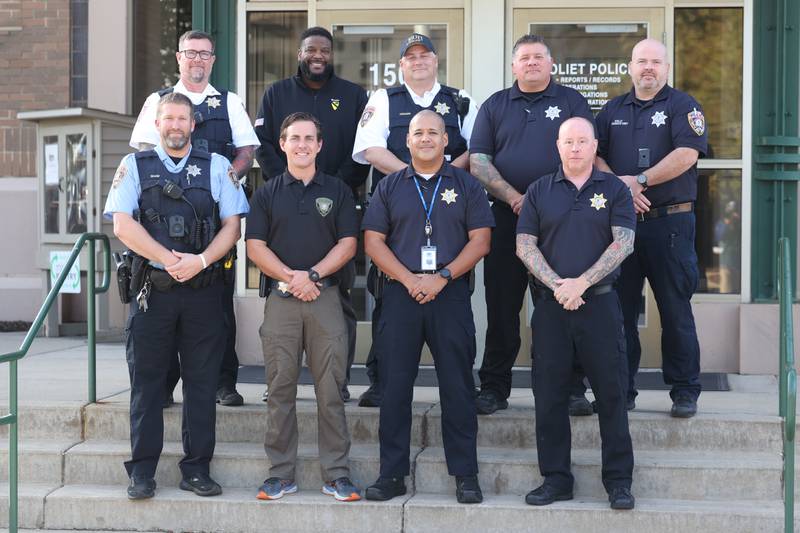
{"x":569,"y":292}
{"x":640,"y":202}
{"x":424,"y":288}
{"x":300,"y":286}
{"x":184,"y":267}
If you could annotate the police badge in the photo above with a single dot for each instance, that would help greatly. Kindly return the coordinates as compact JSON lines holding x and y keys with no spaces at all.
{"x":697,"y":121}
{"x":368,"y":112}
{"x":324,"y":206}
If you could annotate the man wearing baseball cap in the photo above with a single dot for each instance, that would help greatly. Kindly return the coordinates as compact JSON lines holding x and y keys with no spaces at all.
{"x":381,"y":142}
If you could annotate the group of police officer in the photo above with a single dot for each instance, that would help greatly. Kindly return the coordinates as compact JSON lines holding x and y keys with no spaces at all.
{"x":582,"y":210}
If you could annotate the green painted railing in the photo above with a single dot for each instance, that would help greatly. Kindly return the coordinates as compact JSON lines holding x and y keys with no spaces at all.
{"x":787,"y":396}
{"x":12,"y":417}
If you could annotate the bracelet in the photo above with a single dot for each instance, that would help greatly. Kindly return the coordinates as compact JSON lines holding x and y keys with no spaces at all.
{"x":203,"y":259}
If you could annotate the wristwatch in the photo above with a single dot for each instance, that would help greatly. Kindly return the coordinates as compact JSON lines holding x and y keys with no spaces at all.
{"x":313,"y":275}
{"x":445,"y":273}
{"x":641,"y":179}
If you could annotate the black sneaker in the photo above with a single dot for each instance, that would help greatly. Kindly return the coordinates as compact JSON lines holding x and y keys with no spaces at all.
{"x":229,"y":396}
{"x":468,"y":490}
{"x":621,"y":498}
{"x":141,"y":488}
{"x":386,"y":488}
{"x":371,"y":397}
{"x":579,"y":405}
{"x":487,"y":402}
{"x":546,"y":494}
{"x":684,"y":407}
{"x":201,"y":484}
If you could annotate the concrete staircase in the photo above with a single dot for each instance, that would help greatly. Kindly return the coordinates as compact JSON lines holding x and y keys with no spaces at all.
{"x":720,"y":471}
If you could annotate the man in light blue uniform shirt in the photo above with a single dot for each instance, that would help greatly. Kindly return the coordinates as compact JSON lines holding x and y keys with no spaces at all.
{"x":178,"y":210}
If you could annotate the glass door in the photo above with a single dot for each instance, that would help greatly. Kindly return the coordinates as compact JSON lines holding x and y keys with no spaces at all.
{"x":591,"y":49}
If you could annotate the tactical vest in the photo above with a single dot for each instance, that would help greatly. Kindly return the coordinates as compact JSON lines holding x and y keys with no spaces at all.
{"x":402,"y":109}
{"x":184,"y":219}
{"x":212,"y":127}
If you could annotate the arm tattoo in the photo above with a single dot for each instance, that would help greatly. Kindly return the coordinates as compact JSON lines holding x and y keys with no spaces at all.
{"x":620,"y":248}
{"x":534,"y":261}
{"x":482,"y":168}
{"x":243,"y":160}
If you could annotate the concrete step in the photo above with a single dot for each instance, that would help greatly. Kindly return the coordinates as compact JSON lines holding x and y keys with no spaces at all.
{"x":657,"y":474}
{"x":30,"y":510}
{"x":106,"y":507}
{"x":46,"y":421}
{"x":40,"y":460}
{"x":243,"y":465}
{"x":111,"y":421}
{"x":650,"y":430}
{"x":510,"y":514}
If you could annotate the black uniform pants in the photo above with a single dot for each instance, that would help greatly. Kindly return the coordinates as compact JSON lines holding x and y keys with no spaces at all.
{"x":373,"y":356}
{"x":505,"y":279}
{"x":186,"y":321}
{"x":664,"y":254}
{"x":593,"y":335}
{"x":447,"y":326}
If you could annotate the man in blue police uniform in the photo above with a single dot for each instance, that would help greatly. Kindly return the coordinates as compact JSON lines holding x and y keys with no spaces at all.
{"x":338,"y":105}
{"x":651,"y":138}
{"x":381,"y":142}
{"x":513,"y":144}
{"x":426,"y":228}
{"x":575,"y":228}
{"x":222,"y":127}
{"x":178,"y":210}
{"x":302,"y":231}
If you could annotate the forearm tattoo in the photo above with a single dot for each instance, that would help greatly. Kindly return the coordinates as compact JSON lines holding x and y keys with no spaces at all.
{"x":534,"y":261}
{"x":243,"y":160}
{"x":620,"y":248}
{"x":481,"y":167}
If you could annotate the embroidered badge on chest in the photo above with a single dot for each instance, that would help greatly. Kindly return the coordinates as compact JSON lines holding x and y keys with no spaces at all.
{"x":213,"y":102}
{"x":553,"y":112}
{"x":449,"y":196}
{"x":598,"y":201}
{"x":335,"y":103}
{"x":324,"y":205}
{"x":658,"y":119}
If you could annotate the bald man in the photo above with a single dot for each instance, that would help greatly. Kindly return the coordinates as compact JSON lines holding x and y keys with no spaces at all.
{"x":426,"y":227}
{"x":575,"y":228}
{"x":651,"y":138}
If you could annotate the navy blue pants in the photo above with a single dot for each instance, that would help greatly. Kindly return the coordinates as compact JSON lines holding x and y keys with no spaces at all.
{"x":505,"y":279}
{"x":593,"y":336}
{"x":190,"y":322}
{"x":447,"y":326}
{"x":664,"y":254}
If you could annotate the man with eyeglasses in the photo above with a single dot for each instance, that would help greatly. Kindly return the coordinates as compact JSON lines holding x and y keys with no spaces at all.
{"x":222,"y":126}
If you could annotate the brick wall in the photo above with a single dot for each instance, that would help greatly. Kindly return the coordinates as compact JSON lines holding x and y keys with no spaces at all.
{"x":34,"y":61}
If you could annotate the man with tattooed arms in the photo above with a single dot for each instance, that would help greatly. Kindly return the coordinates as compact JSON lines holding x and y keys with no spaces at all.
{"x":575,"y":228}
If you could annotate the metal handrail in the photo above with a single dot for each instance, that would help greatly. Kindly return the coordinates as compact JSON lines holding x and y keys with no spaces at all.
{"x":787,"y":395}
{"x":11,"y":418}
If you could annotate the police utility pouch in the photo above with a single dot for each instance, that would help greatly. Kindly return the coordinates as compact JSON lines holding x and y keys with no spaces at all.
{"x":263,"y":285}
{"x":123,"y":277}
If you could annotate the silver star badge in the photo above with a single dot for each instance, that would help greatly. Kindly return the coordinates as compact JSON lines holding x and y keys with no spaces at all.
{"x":598,"y":201}
{"x":553,"y":112}
{"x":192,"y":170}
{"x":213,"y":102}
{"x":449,"y":196}
{"x":442,"y":108}
{"x":659,"y":118}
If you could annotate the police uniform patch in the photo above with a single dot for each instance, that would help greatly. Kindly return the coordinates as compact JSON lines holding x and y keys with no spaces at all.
{"x":658,"y":119}
{"x":368,"y":112}
{"x":233,"y":177}
{"x":449,"y":196}
{"x":598,"y":201}
{"x":213,"y":102}
{"x":697,"y":121}
{"x":553,"y":112}
{"x":324,"y":205}
{"x":335,"y":103}
{"x":119,"y":175}
{"x":442,"y":108}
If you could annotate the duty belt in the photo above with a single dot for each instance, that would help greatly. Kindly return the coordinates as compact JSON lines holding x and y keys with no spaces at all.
{"x":282,"y":287}
{"x":163,"y":282}
{"x":546,"y":294}
{"x":674,"y":209}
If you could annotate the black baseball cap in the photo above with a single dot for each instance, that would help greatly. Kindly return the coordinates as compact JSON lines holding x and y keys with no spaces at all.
{"x":415,"y":39}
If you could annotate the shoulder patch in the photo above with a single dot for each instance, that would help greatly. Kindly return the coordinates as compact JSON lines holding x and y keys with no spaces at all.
{"x":697,"y":121}
{"x":119,"y":175}
{"x":233,"y":177}
{"x":368,"y":113}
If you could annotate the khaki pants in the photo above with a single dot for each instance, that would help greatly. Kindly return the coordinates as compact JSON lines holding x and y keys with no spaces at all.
{"x":291,"y":326}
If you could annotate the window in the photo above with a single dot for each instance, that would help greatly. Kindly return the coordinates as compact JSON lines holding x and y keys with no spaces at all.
{"x":712,"y":73}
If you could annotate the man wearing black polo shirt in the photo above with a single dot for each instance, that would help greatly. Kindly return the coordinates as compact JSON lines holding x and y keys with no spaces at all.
{"x":426,"y":228}
{"x":338,"y":105}
{"x":575,"y":228}
{"x":513,"y":144}
{"x":303,"y":232}
{"x":651,"y":138}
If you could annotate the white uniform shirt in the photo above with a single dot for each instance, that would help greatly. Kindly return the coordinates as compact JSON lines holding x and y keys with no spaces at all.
{"x":373,"y":130}
{"x":241,"y":128}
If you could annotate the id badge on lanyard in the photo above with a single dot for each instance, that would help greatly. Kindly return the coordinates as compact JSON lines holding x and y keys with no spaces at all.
{"x":428,"y":252}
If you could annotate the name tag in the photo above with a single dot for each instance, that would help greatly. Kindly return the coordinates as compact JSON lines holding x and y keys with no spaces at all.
{"x":428,"y":255}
